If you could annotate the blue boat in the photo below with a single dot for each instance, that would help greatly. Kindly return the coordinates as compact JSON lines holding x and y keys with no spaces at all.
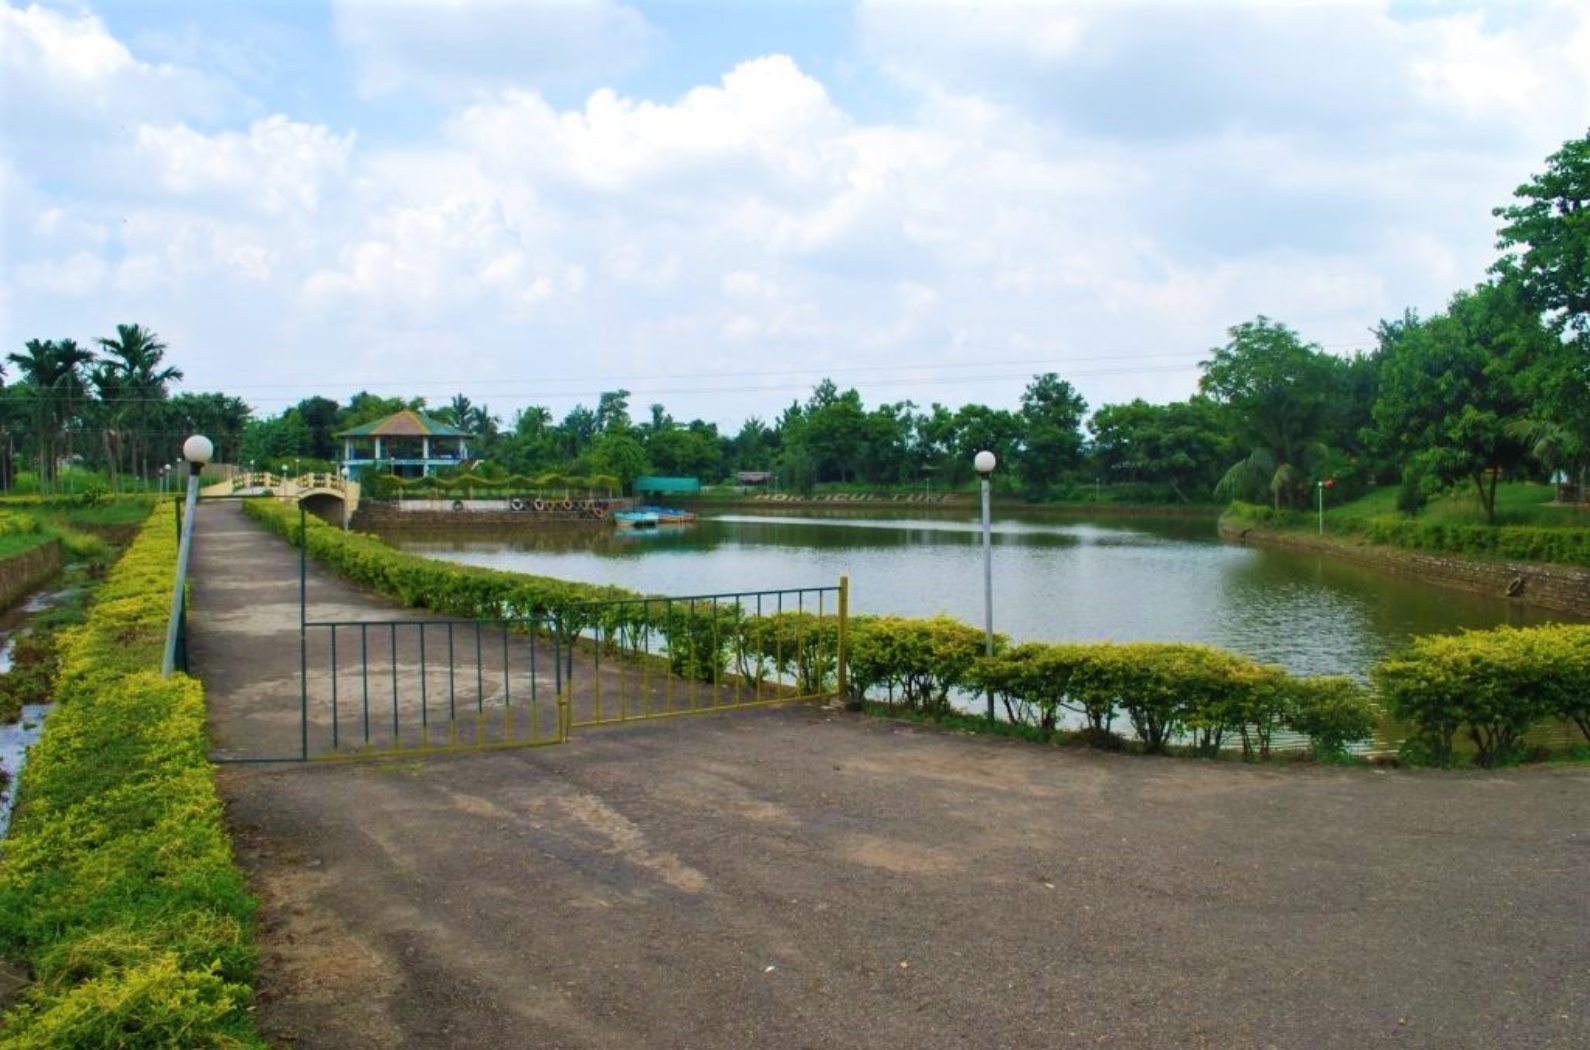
{"x":635,"y":519}
{"x":669,"y":516}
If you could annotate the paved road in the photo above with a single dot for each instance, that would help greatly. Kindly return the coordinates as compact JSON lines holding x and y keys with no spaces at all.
{"x":806,"y":878}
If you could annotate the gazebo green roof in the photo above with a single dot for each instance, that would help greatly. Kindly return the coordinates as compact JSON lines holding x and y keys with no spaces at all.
{"x":406,"y":423}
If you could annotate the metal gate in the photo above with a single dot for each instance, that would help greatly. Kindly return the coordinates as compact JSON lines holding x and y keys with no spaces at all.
{"x":661,"y":657}
{"x":415,"y":686}
{"x":374,"y":688}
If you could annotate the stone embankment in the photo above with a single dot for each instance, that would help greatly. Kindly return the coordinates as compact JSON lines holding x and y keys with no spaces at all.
{"x":1564,"y":588}
{"x":484,"y":514}
{"x":24,"y":573}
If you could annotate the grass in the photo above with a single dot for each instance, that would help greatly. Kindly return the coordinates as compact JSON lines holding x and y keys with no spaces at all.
{"x":1517,"y":503}
{"x":1529,"y":527}
{"x":14,"y":544}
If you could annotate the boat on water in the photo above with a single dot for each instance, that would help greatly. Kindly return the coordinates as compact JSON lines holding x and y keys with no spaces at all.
{"x":635,"y":519}
{"x":670,"y":516}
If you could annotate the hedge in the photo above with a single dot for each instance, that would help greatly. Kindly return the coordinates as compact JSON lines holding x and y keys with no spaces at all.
{"x":1167,"y":690}
{"x":1494,"y":685}
{"x":118,"y":887}
{"x":453,"y":590}
{"x":1563,"y":546}
{"x":1514,"y":542}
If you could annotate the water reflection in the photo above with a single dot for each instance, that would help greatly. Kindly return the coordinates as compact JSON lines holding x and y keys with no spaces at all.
{"x":1054,"y":579}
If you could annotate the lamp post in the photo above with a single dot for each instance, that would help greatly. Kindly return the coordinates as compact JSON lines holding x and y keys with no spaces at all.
{"x":197,"y":450}
{"x":1319,"y":487}
{"x":985,"y":462}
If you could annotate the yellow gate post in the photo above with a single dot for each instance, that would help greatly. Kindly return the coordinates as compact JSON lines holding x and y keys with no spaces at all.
{"x":842,"y":676}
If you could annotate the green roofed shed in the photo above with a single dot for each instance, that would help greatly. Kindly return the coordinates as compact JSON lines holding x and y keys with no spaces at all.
{"x":409,"y":444}
{"x":676,"y":485}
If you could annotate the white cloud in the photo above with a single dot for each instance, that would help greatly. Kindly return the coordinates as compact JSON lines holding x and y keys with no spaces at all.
{"x":451,"y":48}
{"x":60,"y":71}
{"x":278,"y":165}
{"x":765,"y":114}
{"x":78,"y":275}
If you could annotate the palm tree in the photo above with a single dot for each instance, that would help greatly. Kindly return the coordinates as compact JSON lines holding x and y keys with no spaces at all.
{"x":134,"y":357}
{"x":54,"y":371}
{"x":113,"y":406}
{"x":1556,"y":447}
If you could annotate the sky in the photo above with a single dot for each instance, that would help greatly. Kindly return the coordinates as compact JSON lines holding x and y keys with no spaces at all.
{"x":716,"y":205}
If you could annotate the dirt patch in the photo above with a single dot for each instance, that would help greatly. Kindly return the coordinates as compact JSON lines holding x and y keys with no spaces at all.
{"x":14,"y":980}
{"x":312,"y":965}
{"x":902,"y":858}
{"x":620,"y":837}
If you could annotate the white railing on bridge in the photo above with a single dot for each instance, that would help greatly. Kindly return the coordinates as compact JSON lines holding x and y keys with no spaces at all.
{"x":284,"y":485}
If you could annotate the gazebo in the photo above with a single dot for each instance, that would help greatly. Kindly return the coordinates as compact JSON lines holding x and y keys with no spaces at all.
{"x":409,"y":444}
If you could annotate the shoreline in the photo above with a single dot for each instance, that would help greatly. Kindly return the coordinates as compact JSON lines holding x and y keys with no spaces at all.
{"x":1561,"y":588}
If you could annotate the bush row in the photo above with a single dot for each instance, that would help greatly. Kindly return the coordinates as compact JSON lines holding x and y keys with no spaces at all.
{"x":1170,"y":690}
{"x":453,"y":590}
{"x":1564,"y":546}
{"x":118,"y":887}
{"x":1495,"y":686}
{"x":385,"y":486}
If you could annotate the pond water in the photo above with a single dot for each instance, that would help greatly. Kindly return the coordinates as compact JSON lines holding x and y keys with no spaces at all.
{"x":1055,"y":579}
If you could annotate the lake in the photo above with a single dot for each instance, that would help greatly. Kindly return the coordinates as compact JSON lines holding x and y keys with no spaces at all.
{"x":1055,"y":579}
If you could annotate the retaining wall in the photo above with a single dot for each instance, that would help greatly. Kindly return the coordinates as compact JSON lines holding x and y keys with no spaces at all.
{"x":487,"y":515}
{"x":1561,"y":587}
{"x":22,"y":574}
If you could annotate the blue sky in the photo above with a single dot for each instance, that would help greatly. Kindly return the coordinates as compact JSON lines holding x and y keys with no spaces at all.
{"x":716,"y":205}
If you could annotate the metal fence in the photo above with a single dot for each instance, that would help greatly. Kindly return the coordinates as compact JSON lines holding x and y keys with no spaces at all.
{"x":646,"y":658}
{"x":385,"y":687}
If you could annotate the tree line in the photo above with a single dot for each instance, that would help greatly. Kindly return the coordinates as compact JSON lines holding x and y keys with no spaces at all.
{"x":1495,"y":385}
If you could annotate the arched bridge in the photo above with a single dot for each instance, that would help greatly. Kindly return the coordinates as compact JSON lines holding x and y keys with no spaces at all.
{"x":329,"y":496}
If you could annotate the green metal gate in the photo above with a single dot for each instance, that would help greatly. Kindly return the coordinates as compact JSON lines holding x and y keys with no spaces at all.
{"x":417,"y":686}
{"x":661,"y":657}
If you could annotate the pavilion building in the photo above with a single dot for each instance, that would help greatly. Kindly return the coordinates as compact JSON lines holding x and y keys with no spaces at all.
{"x":409,"y":444}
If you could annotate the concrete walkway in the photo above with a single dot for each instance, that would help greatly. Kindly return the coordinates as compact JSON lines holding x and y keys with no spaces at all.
{"x":805,"y":878}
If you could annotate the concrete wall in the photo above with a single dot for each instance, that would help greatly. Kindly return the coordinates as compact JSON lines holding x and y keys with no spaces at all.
{"x":22,"y":574}
{"x":491,"y":515}
{"x":1561,"y":587}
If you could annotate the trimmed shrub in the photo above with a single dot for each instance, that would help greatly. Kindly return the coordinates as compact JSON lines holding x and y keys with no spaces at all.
{"x":1333,"y":712}
{"x":1496,"y":685}
{"x":924,"y":659}
{"x":118,"y":886}
{"x":801,"y":646}
{"x":453,"y":590}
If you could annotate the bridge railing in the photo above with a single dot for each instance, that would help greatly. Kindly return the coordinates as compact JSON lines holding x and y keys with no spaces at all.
{"x":285,"y":485}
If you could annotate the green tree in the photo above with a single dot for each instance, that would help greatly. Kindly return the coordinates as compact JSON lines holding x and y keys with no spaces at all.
{"x":578,"y":428}
{"x":220,"y":417}
{"x":319,"y":416}
{"x":1547,"y":237}
{"x":365,"y":407}
{"x":54,"y":372}
{"x":616,"y":453}
{"x":1451,"y":388}
{"x":1051,"y":433}
{"x":612,"y":411}
{"x":134,"y":363}
{"x":1184,"y":445}
{"x":1278,"y":394}
{"x":978,"y":427}
{"x":834,"y":431}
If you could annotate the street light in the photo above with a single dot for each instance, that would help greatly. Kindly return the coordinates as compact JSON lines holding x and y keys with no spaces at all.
{"x":1321,"y":486}
{"x":985,"y":462}
{"x":197,"y":450}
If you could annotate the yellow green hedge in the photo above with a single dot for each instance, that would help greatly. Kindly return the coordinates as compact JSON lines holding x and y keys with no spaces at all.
{"x":118,"y":886}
